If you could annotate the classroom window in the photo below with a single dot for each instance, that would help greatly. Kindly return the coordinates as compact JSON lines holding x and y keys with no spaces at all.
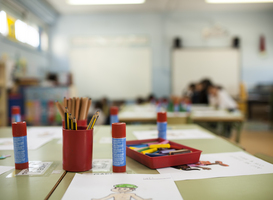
{"x":3,"y":23}
{"x":26,"y":33}
{"x":33,"y":36}
{"x":21,"y":31}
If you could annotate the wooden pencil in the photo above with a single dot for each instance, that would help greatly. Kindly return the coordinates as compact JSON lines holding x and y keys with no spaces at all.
{"x":66,"y":119}
{"x":83,"y":108}
{"x":77,"y":108}
{"x":65,"y":102}
{"x":75,"y":124}
{"x":70,"y":122}
{"x":90,"y":123}
{"x":69,"y":105}
{"x":88,"y":106}
{"x":96,"y":118}
{"x":60,"y":109}
{"x":73,"y":106}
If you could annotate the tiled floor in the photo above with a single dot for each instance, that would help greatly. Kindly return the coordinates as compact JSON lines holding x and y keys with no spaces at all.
{"x":256,"y":138}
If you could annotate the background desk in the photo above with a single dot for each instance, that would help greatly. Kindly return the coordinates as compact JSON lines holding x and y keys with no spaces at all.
{"x":147,"y":113}
{"x":221,"y":116}
{"x":31,"y":187}
{"x":240,"y":187}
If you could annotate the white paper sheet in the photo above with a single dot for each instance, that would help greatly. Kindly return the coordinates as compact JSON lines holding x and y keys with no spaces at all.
{"x":149,"y":186}
{"x":36,"y":137}
{"x":105,"y":140}
{"x":4,"y":169}
{"x":101,"y":165}
{"x":32,"y":142}
{"x":35,"y":168}
{"x":240,"y":163}
{"x":45,"y":132}
{"x":175,"y":134}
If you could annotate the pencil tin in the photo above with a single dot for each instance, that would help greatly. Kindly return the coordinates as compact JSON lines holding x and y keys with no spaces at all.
{"x":163,"y":161}
{"x":77,"y":149}
{"x":79,"y":123}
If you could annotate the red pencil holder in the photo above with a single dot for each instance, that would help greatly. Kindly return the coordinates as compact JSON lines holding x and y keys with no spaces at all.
{"x":77,"y":149}
{"x":79,"y":123}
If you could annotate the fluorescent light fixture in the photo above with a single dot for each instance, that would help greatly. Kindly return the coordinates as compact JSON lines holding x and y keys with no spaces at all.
{"x":239,"y":1}
{"x":3,"y":23}
{"x":104,"y":2}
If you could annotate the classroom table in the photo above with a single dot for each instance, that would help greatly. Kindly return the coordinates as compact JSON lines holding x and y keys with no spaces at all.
{"x":235,"y":118}
{"x":147,"y":113}
{"x":224,"y":188}
{"x":134,"y":113}
{"x":31,"y":187}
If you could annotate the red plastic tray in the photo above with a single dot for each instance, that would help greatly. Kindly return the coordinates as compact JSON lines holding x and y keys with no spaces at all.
{"x":163,"y":161}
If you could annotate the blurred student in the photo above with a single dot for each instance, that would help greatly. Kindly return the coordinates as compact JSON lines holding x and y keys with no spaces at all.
{"x":219,"y":98}
{"x":190,"y":90}
{"x":204,"y":95}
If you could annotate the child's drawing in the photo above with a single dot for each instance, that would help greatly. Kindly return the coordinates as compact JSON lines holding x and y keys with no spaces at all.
{"x":123,"y":192}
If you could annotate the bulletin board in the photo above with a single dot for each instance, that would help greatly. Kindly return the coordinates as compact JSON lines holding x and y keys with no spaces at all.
{"x":222,"y":66}
{"x":111,"y":67}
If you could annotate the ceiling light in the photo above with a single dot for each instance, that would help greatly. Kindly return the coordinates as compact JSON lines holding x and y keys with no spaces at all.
{"x":104,"y":2}
{"x":239,"y":1}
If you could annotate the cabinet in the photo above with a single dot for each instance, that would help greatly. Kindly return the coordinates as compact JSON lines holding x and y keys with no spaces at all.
{"x":3,"y":95}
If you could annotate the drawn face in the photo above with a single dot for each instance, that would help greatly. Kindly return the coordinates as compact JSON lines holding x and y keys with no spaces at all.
{"x":122,"y":190}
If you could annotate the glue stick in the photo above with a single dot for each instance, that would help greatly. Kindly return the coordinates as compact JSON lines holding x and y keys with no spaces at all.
{"x":19,"y":133}
{"x":113,"y":115}
{"x":119,"y":147}
{"x":15,"y":114}
{"x":162,"y":125}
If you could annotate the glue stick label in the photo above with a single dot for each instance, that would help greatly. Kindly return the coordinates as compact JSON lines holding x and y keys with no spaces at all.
{"x":113,"y":119}
{"x":119,"y":151}
{"x":16,"y":118}
{"x":20,"y":149}
{"x":162,"y":130}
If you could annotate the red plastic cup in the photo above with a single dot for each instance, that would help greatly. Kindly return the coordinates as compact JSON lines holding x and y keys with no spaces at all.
{"x":79,"y":123}
{"x":77,"y":149}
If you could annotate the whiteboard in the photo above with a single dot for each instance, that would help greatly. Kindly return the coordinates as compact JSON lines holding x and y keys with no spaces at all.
{"x":222,"y":66}
{"x":115,"y":72}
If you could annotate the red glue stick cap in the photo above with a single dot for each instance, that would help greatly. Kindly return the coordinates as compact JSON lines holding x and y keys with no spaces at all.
{"x":119,"y":130}
{"x":161,"y":117}
{"x":15,"y":110}
{"x":19,"y":129}
{"x":120,"y":169}
{"x":113,"y":110}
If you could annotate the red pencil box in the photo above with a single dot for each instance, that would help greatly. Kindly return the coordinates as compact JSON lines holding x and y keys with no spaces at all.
{"x":163,"y":161}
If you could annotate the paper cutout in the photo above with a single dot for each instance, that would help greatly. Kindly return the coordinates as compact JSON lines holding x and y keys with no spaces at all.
{"x":240,"y":163}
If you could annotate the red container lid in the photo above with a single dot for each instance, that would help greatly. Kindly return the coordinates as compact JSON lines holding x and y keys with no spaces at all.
{"x":113,"y":110}
{"x":119,"y":130}
{"x":19,"y":129}
{"x":161,"y":117}
{"x":15,"y":110}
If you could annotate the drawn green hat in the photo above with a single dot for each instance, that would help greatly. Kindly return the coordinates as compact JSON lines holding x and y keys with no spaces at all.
{"x":125,"y":186}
